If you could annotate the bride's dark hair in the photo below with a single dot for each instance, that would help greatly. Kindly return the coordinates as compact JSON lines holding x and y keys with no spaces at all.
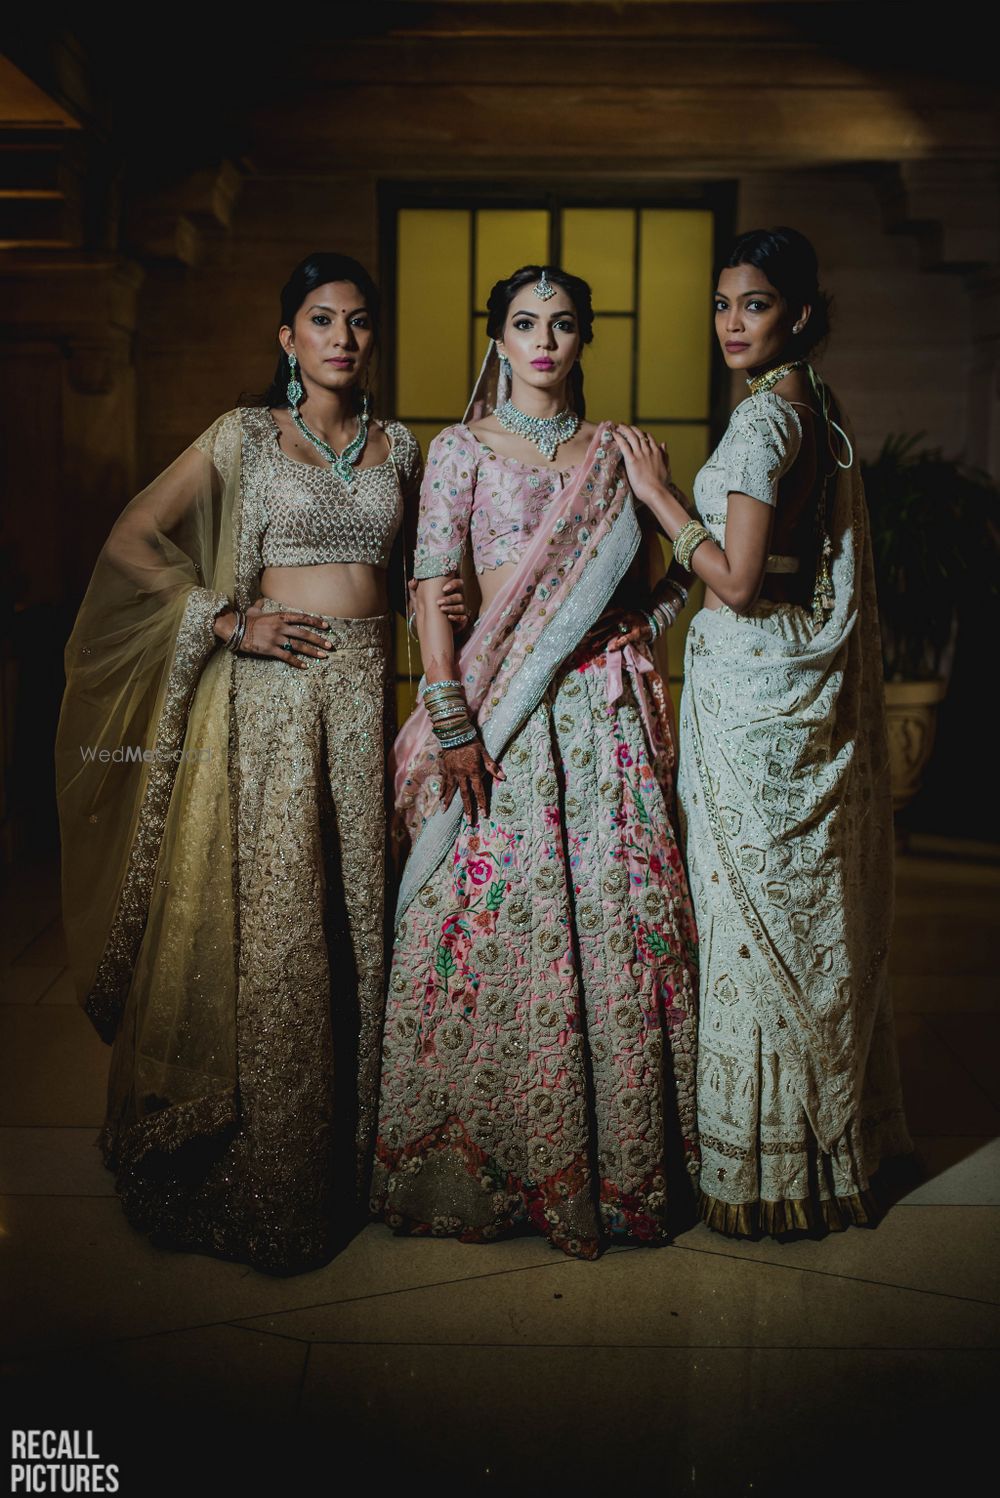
{"x":789,"y":262}
{"x":579,"y":294}
{"x":315,"y":270}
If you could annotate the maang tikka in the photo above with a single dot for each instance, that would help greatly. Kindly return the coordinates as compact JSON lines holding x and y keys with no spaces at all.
{"x":544,"y":288}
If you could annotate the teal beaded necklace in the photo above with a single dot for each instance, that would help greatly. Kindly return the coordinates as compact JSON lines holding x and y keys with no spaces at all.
{"x":341,"y":463}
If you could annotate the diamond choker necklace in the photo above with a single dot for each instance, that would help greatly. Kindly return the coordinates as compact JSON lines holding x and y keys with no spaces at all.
{"x":546,"y":432}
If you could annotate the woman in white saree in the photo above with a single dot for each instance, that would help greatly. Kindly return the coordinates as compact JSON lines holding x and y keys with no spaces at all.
{"x":784,"y":784}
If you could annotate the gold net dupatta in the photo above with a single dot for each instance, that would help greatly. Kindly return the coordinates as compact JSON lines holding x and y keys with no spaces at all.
{"x":143,"y":787}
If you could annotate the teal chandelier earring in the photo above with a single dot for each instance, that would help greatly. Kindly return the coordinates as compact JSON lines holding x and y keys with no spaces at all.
{"x":294,"y":393}
{"x":366,"y":403}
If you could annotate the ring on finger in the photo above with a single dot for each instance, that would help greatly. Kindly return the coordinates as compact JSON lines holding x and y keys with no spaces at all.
{"x":287,"y":645}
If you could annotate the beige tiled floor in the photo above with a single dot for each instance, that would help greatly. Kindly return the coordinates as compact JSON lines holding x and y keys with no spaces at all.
{"x":711,"y":1367}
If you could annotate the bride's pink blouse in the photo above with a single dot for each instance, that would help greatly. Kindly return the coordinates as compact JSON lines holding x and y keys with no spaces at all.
{"x":469,"y":490}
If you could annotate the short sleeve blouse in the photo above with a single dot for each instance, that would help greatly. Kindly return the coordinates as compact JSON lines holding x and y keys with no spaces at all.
{"x":758,"y":448}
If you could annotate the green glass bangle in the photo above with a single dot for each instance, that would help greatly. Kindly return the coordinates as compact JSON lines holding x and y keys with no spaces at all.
{"x":455,"y":741}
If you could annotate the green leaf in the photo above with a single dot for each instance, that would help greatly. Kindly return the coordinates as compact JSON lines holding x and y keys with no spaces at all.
{"x":657,"y":944}
{"x":497,"y":894}
{"x":444,"y":962}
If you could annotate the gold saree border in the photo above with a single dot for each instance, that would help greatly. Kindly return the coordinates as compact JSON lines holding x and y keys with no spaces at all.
{"x":791,"y":1215}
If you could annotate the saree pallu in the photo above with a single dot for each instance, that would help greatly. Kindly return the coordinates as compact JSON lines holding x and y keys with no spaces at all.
{"x":786,"y":807}
{"x":538,"y":1058}
{"x":286,"y":1186}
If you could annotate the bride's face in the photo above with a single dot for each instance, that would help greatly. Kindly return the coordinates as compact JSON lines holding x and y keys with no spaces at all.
{"x":541,"y":339}
{"x":753,"y":322}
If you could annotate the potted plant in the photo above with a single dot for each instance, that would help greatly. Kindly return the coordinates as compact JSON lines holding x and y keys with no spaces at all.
{"x":934,"y":537}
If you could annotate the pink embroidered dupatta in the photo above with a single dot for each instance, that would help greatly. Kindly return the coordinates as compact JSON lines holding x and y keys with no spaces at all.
{"x":565,"y":580}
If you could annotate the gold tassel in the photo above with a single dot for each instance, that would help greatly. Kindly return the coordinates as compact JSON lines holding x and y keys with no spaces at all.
{"x":822,"y":600}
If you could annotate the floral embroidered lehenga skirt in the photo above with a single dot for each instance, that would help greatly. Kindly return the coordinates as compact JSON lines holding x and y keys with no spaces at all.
{"x":290,"y":1183}
{"x":538,"y":1057}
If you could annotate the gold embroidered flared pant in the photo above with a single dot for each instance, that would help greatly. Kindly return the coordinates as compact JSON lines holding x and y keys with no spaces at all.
{"x":307,"y":767}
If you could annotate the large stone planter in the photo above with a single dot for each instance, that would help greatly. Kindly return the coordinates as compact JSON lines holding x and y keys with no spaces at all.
{"x":911,"y":718}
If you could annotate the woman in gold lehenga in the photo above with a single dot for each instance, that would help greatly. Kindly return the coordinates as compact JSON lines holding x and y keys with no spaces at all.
{"x":220,"y":764}
{"x":784,"y":784}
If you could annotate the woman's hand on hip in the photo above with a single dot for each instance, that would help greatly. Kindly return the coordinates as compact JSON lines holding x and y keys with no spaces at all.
{"x":289,"y":635}
{"x":468,"y":769}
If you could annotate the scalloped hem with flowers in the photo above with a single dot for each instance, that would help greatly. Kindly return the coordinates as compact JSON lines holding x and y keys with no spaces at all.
{"x":538,"y":1061}
{"x":429,"y":1195}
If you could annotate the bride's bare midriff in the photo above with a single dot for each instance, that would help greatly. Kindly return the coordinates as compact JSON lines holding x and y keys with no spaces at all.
{"x":345,"y":590}
{"x":491,"y":582}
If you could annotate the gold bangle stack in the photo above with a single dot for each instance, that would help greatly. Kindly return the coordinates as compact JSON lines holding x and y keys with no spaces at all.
{"x":687,"y":541}
{"x":448,"y":712}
